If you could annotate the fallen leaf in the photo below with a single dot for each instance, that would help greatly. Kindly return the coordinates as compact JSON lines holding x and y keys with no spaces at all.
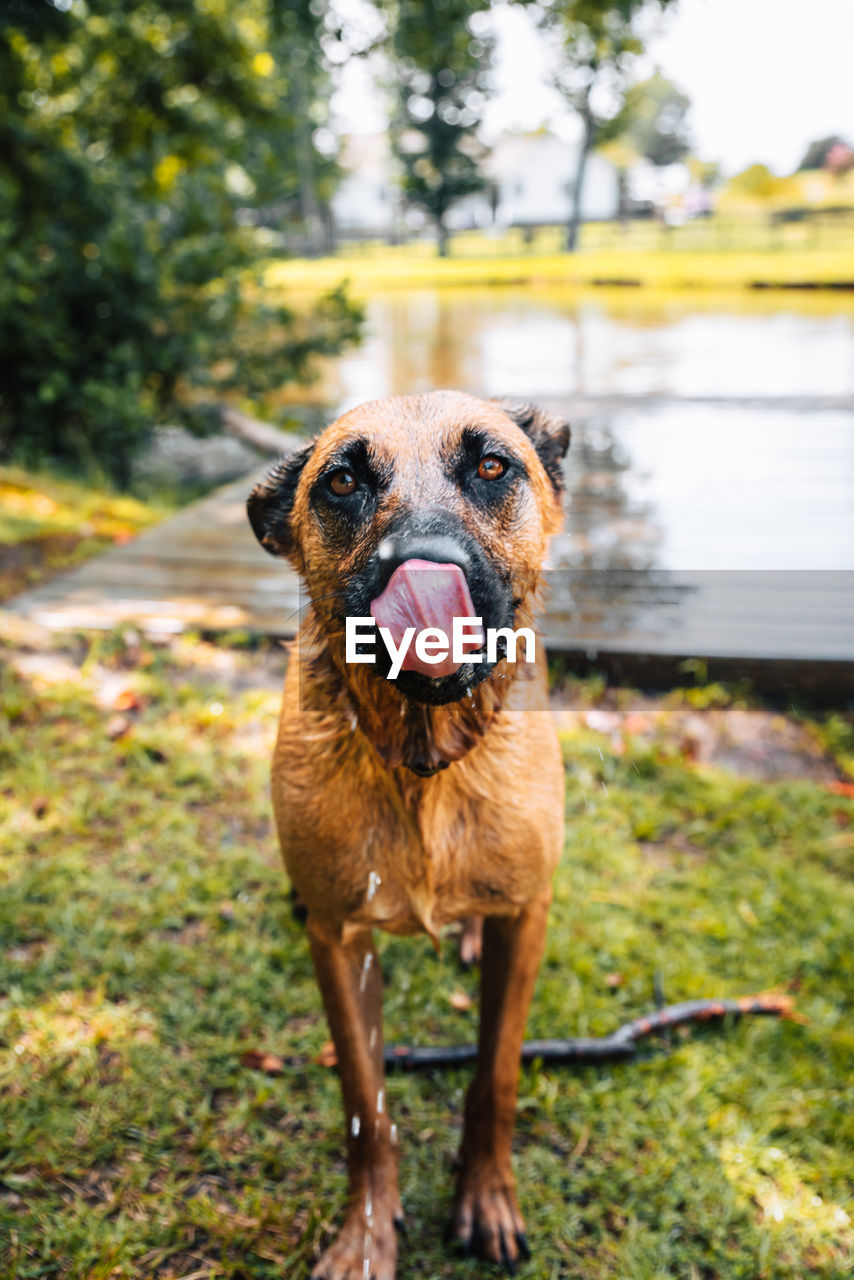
{"x":581,"y":1145}
{"x":327,"y":1056}
{"x":128,"y":700}
{"x":460,"y":1000}
{"x":117,"y":726}
{"x":613,"y":979}
{"x":602,"y":721}
{"x":842,"y":789}
{"x":260,"y":1060}
{"x":747,"y":913}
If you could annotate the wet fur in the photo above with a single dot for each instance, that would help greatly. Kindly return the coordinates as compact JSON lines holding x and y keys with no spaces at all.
{"x":481,"y":835}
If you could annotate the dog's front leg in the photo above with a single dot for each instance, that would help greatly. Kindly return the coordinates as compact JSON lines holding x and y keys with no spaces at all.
{"x":351,"y":985}
{"x":486,"y":1217}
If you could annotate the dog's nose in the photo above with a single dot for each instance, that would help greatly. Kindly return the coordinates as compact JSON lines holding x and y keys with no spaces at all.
{"x":396,"y":548}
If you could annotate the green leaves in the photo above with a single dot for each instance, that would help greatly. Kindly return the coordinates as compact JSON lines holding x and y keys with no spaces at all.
{"x":139,"y":146}
{"x":440,"y":59}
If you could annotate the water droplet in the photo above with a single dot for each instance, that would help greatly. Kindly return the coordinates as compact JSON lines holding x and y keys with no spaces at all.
{"x":393,"y":1134}
{"x":353,"y":723}
{"x":374,"y":882}
{"x":365,"y":970}
{"x":380,"y":1101}
{"x":372,"y":1038}
{"x":355,"y":1126}
{"x":369,"y":1206}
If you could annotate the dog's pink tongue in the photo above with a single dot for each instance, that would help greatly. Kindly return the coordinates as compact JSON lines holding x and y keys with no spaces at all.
{"x":422,"y":593}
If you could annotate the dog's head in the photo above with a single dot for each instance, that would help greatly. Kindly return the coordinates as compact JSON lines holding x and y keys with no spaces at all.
{"x":398,"y":488}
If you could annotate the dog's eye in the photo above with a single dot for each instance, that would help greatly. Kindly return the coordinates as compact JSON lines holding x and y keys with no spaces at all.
{"x":491,"y":467}
{"x":342,"y":482}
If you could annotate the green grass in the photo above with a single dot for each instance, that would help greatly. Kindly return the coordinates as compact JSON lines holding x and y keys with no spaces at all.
{"x":147,"y":944}
{"x":718,"y":254}
{"x":49,"y":523}
{"x":721,"y":253}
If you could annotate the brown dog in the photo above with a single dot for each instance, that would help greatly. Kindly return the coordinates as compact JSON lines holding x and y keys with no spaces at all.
{"x":408,"y":803}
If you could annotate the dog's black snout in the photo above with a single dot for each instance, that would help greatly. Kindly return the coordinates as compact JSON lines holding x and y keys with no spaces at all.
{"x":396,"y":548}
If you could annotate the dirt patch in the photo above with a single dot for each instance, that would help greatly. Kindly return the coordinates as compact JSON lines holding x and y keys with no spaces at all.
{"x":756,"y":744}
{"x":751,"y":742}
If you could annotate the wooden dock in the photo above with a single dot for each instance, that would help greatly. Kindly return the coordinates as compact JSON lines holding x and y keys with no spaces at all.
{"x":610,"y":604}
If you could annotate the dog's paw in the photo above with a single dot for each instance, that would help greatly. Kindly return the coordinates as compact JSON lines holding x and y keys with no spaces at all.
{"x":362,"y":1251}
{"x":486,"y":1220}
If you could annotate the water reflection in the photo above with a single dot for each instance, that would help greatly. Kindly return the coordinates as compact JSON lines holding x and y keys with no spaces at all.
{"x":711,"y":487}
{"x":530,"y":342}
{"x":710,"y":483}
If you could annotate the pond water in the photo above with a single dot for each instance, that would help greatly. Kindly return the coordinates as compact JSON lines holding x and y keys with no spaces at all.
{"x":710,"y":432}
{"x":547,"y":342}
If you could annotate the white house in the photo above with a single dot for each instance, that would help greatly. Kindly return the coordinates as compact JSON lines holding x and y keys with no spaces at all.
{"x":535,"y":176}
{"x":530,"y":181}
{"x":368,"y":200}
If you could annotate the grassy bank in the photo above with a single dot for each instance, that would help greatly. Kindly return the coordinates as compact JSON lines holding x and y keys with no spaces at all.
{"x":48,"y":524}
{"x":147,"y":946}
{"x":403,"y":268}
{"x":709,"y":254}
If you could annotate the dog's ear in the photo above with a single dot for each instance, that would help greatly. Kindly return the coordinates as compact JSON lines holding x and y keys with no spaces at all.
{"x":270,"y":504}
{"x":549,"y":435}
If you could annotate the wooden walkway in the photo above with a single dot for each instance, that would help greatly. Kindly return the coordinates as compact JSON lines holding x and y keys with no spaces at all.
{"x":201,"y":569}
{"x":609,"y":605}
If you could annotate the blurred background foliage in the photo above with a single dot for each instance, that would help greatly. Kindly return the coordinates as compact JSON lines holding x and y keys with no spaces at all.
{"x":149,"y":155}
{"x":155,"y":155}
{"x":439,"y":59}
{"x":139,"y":146}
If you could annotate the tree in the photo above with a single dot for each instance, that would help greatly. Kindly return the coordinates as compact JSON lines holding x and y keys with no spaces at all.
{"x":439,"y":58}
{"x":817,"y":152}
{"x":132,"y":140}
{"x":653,"y":120}
{"x":597,"y":46}
{"x":758,"y":183}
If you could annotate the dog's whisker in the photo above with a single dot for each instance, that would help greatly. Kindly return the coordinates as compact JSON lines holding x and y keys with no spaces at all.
{"x":310,"y":601}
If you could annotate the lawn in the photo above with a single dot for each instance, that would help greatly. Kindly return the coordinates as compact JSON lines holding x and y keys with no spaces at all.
{"x":49,"y":523}
{"x":147,"y":946}
{"x":719,"y":254}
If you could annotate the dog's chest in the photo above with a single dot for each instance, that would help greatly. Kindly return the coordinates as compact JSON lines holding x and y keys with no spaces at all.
{"x":367,"y":848}
{"x":422,"y":857}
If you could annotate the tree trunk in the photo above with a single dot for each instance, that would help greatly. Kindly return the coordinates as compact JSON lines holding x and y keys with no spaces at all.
{"x":309,"y":207}
{"x":443,"y":236}
{"x":578,"y":188}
